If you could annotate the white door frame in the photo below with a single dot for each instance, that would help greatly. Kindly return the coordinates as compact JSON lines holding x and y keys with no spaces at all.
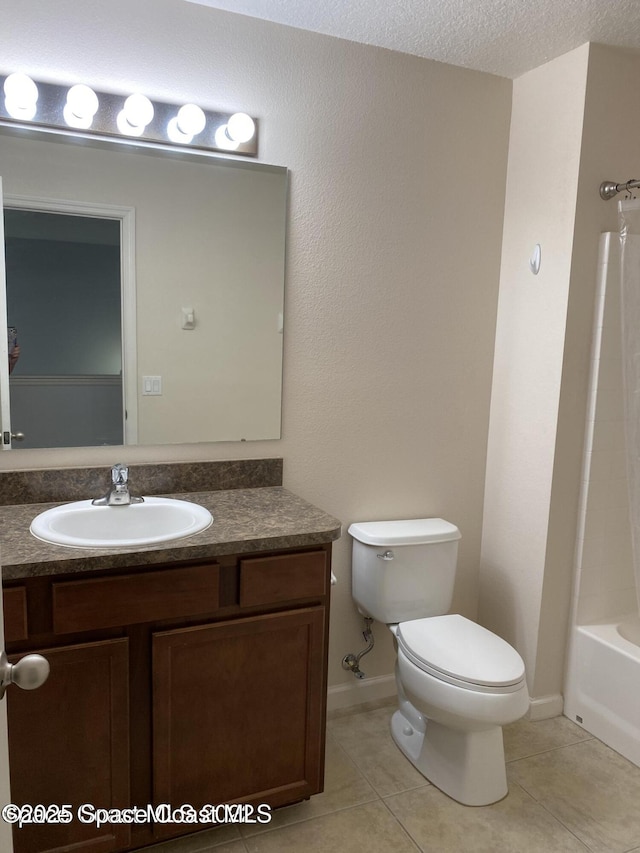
{"x":6,"y":836}
{"x":126,"y":216}
{"x":5,"y":408}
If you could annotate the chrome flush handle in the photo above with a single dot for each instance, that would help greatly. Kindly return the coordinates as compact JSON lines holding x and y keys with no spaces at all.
{"x":388,"y":555}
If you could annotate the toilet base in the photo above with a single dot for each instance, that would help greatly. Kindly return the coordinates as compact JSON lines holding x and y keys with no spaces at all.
{"x":467,"y":766}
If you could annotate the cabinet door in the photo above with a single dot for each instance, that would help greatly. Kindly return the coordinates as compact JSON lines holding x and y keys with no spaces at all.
{"x":69,"y":745}
{"x":239,"y":711}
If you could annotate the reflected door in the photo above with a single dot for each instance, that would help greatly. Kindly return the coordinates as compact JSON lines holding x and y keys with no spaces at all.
{"x":67,"y":372}
{"x":63,"y":285}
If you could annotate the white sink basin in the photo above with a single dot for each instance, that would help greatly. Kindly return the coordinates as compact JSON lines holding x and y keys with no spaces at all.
{"x":84,"y":525}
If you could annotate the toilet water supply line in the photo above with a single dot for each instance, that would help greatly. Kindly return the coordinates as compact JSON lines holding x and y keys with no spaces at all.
{"x":352,"y":661}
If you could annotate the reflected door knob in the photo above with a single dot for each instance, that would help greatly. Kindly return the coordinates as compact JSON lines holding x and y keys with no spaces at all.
{"x":29,"y":672}
{"x":16,"y":436}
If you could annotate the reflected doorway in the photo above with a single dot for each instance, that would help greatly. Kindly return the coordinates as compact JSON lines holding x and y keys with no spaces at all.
{"x":64,"y":312}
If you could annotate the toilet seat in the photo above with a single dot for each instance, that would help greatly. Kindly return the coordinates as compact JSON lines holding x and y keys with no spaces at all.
{"x":454,"y":649}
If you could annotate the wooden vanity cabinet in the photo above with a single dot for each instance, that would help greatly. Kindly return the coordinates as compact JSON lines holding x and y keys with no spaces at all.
{"x":69,"y":745}
{"x":237,"y":711}
{"x":201,"y":684}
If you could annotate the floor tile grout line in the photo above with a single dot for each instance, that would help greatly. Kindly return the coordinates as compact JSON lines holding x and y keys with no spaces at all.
{"x":356,"y":766}
{"x":562,"y":823}
{"x":362,"y":772}
{"x":548,"y":749}
{"x":302,"y":820}
{"x":317,"y":817}
{"x":401,"y":824}
{"x":376,"y":796}
{"x":375,"y":788}
{"x":170,"y":848}
{"x":349,"y":759}
{"x":539,"y":802}
{"x":553,"y":816}
{"x":587,"y":846}
{"x":553,"y":749}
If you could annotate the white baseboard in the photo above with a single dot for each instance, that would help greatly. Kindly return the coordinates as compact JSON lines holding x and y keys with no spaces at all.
{"x":545,"y":707}
{"x":361,"y":690}
{"x":382,"y":687}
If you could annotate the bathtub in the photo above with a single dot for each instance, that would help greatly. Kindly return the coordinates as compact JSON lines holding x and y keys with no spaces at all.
{"x":603,"y":690}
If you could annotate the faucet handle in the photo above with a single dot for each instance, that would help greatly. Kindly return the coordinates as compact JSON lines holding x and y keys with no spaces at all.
{"x":119,"y":474}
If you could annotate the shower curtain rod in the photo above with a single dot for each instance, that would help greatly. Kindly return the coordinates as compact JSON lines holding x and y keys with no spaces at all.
{"x":609,"y":189}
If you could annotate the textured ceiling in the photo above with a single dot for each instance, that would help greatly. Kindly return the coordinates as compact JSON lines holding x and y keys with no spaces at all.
{"x":505,"y":37}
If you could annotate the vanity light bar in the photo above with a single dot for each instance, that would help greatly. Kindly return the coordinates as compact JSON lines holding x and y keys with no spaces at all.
{"x":79,"y":109}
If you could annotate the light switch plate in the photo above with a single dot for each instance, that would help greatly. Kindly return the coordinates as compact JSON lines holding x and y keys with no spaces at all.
{"x":151,"y":386}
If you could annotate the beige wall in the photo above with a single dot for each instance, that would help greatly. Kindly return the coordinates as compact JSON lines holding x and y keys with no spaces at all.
{"x":398,"y":171}
{"x":542,"y":183}
{"x":571,"y":130}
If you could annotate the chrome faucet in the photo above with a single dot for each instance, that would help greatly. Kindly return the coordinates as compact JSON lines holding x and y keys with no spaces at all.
{"x":118,"y":494}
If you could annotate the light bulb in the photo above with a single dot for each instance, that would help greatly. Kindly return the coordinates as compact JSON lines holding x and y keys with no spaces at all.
{"x":136,"y":114}
{"x":223,"y":140}
{"x":241,"y":127}
{"x":175,"y":134}
{"x":191,"y":120}
{"x":82,"y":104}
{"x":21,"y":96}
{"x":138,"y":110}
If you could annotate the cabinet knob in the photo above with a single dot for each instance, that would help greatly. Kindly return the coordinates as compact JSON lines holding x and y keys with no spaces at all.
{"x":29,"y":672}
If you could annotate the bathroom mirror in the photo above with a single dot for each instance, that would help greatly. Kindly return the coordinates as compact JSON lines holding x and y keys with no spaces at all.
{"x":201,"y":245}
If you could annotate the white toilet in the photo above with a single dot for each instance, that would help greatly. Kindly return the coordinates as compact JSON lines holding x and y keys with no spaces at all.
{"x":457,"y":683}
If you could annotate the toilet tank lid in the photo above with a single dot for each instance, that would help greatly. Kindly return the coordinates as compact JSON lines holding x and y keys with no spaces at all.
{"x":415,"y":531}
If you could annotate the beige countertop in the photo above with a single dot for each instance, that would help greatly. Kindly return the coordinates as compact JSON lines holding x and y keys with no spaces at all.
{"x":244,"y":520}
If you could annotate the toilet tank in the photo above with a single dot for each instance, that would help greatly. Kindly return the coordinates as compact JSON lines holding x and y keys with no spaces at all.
{"x":404,"y":570}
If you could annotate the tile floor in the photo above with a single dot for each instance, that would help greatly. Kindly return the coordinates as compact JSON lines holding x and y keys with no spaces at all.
{"x":568,"y":792}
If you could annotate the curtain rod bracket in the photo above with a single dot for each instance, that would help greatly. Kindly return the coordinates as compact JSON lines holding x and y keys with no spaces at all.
{"x":609,"y":189}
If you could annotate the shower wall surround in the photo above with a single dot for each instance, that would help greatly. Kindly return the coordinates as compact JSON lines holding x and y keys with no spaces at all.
{"x":602,"y":686}
{"x":605,"y":585}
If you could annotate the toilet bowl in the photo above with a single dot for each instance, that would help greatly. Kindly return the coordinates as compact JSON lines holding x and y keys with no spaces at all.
{"x":457,"y":682}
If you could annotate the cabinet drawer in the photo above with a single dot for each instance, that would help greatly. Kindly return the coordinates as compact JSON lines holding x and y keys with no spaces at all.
{"x":87,"y":605}
{"x":268,"y":580}
{"x":15,"y":613}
